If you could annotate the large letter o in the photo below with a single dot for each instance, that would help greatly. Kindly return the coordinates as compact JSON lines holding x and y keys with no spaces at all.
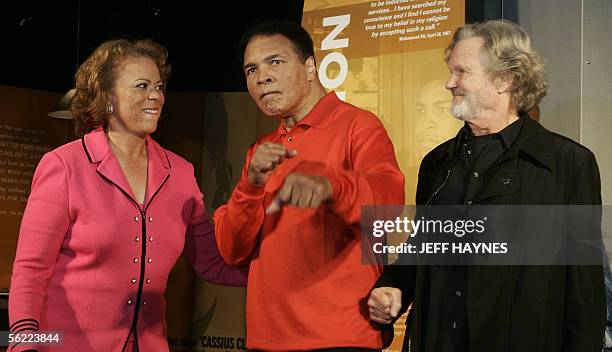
{"x":328,"y":59}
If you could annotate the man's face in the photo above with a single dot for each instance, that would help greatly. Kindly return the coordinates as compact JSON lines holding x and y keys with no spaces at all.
{"x":277,"y":79}
{"x":433,"y":123}
{"x":470,"y":83}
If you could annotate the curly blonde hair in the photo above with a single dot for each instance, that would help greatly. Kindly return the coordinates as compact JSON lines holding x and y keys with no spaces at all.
{"x":508,"y":49}
{"x":95,"y":79}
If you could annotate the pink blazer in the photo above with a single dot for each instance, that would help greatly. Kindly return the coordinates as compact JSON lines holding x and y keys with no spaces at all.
{"x":91,"y":263}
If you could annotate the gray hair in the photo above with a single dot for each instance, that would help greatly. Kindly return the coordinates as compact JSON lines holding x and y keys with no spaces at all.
{"x":508,"y":50}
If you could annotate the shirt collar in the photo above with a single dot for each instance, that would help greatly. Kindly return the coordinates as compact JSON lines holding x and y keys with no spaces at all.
{"x":531,"y":139}
{"x":507,"y":135}
{"x":318,"y":117}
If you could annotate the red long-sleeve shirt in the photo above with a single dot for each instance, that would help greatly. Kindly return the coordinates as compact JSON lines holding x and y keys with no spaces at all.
{"x":307,"y":286}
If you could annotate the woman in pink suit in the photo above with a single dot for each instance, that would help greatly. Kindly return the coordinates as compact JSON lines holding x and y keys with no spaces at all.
{"x":109,"y":214}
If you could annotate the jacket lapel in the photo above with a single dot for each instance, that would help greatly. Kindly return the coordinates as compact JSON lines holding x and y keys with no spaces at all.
{"x":532,"y":144}
{"x":502,"y":179}
{"x":158,"y":169}
{"x":98,"y":151}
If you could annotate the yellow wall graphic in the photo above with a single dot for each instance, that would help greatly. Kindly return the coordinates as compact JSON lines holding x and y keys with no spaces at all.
{"x":388,"y":57}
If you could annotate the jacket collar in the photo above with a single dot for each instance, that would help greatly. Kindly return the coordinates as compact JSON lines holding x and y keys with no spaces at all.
{"x":533,"y":140}
{"x":98,"y":151}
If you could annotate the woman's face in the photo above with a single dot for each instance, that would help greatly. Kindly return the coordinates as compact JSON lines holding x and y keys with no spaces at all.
{"x":137,"y":97}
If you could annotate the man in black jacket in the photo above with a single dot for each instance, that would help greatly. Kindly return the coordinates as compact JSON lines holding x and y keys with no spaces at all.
{"x":500,"y":157}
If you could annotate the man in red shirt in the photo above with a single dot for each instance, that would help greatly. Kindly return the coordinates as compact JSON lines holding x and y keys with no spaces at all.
{"x":295,"y":212}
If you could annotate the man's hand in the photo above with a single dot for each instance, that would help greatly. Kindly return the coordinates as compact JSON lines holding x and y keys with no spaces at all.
{"x":384,"y":304}
{"x":302,"y":191}
{"x":266,"y":158}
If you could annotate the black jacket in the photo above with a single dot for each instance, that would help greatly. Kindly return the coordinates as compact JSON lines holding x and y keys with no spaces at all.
{"x":518,"y":308}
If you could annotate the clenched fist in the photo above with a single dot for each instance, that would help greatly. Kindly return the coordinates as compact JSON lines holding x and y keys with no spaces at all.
{"x":302,"y":191}
{"x":384,"y":304}
{"x":266,"y":158}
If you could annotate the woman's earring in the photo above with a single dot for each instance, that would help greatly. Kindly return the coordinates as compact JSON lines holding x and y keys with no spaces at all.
{"x":109,"y":109}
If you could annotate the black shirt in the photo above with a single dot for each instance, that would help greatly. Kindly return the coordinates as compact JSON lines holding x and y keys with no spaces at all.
{"x":447,"y":307}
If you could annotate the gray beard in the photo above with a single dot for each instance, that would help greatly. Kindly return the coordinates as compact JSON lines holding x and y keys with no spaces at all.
{"x":466,"y":110}
{"x":471,"y":106}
